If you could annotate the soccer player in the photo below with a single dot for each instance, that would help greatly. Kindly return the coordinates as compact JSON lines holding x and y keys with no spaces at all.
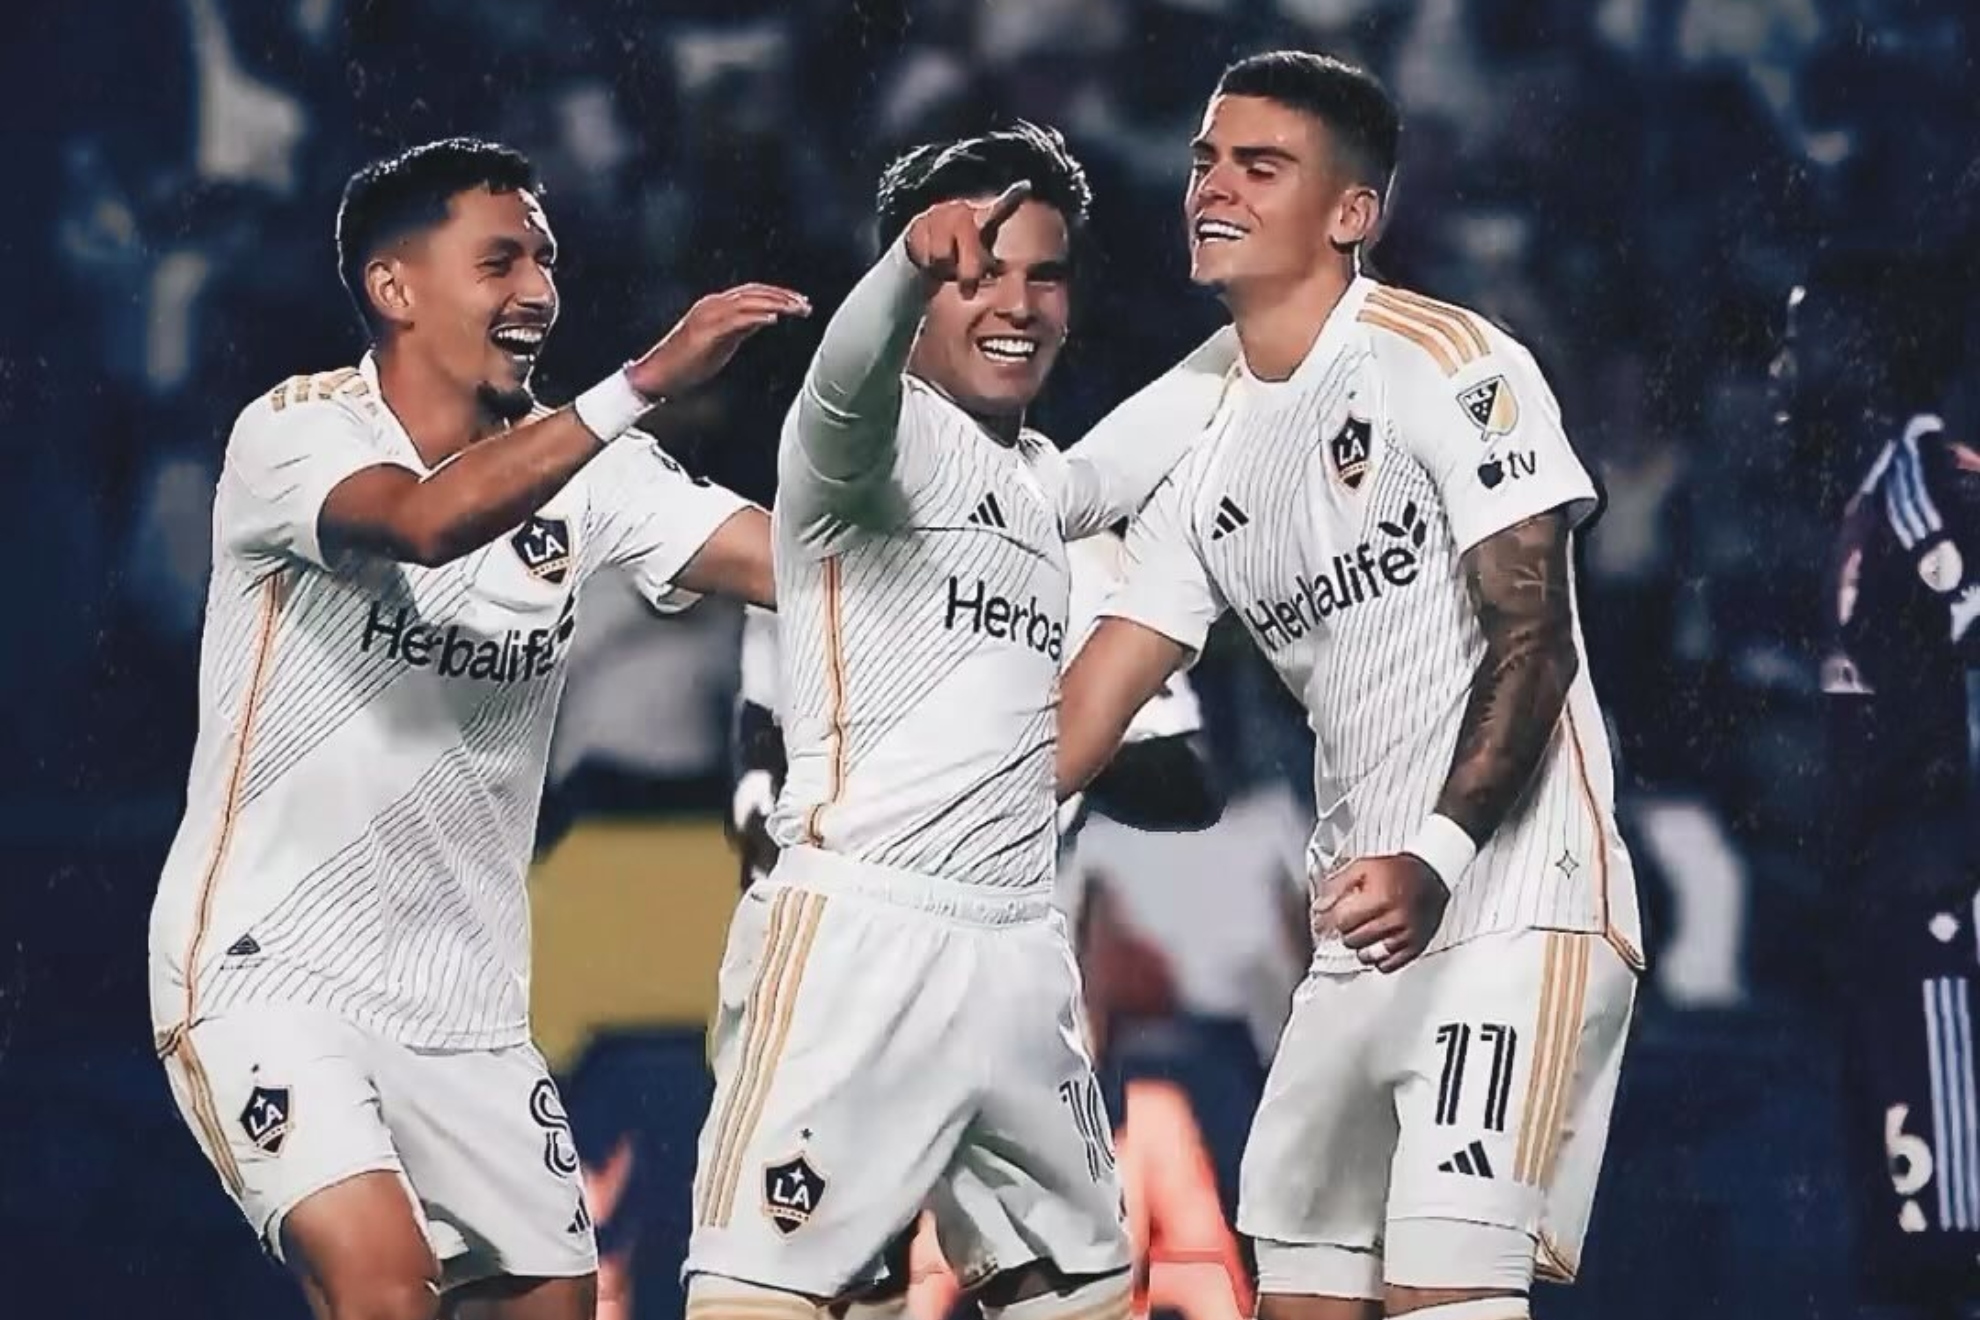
{"x":1901,"y":678}
{"x":899,"y":1016}
{"x":1385,"y":498}
{"x":339,"y":946}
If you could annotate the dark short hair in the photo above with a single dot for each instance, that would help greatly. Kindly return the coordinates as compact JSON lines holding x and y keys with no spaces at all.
{"x":400,"y":195}
{"x":983,"y":166}
{"x":1349,"y":100}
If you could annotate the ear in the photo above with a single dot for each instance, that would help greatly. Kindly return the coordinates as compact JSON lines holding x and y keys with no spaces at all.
{"x":390,"y":295}
{"x":1356,"y":219}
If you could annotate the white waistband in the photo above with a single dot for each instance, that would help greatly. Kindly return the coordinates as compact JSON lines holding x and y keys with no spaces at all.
{"x":829,"y":873}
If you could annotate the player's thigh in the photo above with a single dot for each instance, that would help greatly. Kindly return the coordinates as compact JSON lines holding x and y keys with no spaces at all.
{"x":1507,"y":1059}
{"x":1043,"y":1139}
{"x":1315,"y":1178}
{"x":360,"y":1248}
{"x":489,"y":1153}
{"x":282,"y":1102}
{"x":842,"y":1085}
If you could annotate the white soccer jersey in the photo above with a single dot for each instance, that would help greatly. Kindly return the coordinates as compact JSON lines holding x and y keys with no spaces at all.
{"x":922,"y":657}
{"x":922,"y":591}
{"x":1330,"y":511}
{"x":362,"y":803}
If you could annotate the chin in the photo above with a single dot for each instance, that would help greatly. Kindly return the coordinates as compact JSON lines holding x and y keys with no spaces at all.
{"x":505,"y":404}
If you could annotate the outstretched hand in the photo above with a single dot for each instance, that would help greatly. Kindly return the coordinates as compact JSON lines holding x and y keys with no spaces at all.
{"x":955,"y":240}
{"x":704,"y":340}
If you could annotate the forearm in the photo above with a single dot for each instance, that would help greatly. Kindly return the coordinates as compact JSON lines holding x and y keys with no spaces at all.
{"x":1120,"y":669}
{"x":485,"y":491}
{"x":1519,"y":585}
{"x":851,"y":396}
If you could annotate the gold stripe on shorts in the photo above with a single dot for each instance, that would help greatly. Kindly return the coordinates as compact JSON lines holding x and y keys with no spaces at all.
{"x":784,"y":997}
{"x":1557,"y":1035}
{"x":775,"y":948}
{"x":773,"y":998}
{"x":1580,"y":948}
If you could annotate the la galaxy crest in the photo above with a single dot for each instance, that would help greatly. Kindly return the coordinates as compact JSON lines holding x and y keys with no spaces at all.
{"x":1347,"y":452}
{"x":791,"y":1193}
{"x":265,"y":1117}
{"x":544,"y":546}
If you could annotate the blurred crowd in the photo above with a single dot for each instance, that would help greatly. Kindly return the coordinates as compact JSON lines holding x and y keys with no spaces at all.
{"x":1631,"y":185}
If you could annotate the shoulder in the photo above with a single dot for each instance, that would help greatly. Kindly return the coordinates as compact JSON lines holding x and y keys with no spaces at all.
{"x":310,"y":402}
{"x":1415,"y":337}
{"x":1429,"y":354}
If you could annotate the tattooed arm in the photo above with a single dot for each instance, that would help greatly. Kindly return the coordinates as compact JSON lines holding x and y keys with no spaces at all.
{"x":1518,"y":583}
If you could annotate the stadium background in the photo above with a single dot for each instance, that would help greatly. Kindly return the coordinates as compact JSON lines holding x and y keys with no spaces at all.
{"x":1633,"y":185}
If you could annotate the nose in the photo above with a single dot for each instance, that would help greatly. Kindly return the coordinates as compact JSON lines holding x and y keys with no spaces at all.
{"x":536,"y":290}
{"x":1012,"y":298}
{"x":1214,"y":185}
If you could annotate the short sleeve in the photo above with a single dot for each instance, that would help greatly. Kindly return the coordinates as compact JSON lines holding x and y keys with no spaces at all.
{"x":651,"y":517}
{"x":282,"y":463}
{"x":1164,"y":585}
{"x":1490,"y":437}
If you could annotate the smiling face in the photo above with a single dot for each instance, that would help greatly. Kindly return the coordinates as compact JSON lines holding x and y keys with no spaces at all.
{"x":475,"y":296}
{"x":992,"y":353}
{"x":1269,"y":199}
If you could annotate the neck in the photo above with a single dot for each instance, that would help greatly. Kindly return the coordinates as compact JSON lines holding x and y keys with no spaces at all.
{"x":1278,"y":322}
{"x":1004,"y":428}
{"x":439,"y":418}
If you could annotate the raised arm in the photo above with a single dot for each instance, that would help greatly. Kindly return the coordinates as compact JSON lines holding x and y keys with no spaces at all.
{"x":847,"y":414}
{"x":491,"y":486}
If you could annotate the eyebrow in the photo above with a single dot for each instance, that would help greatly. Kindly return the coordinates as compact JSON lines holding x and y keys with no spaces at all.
{"x":1244,"y":155}
{"x":505,"y":246}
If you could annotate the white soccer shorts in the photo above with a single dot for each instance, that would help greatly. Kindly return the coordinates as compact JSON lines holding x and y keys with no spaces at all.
{"x":1474,"y":1086}
{"x":287,"y":1100}
{"x":887,"y":1041}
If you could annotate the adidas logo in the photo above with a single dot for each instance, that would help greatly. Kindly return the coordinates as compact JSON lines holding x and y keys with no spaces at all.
{"x":244,"y":947}
{"x":988,"y":514}
{"x":1470,"y":1161}
{"x":1229,"y":518}
{"x":581,"y":1221}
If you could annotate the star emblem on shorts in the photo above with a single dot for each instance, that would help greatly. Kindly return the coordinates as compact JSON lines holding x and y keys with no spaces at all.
{"x":1567,"y":864}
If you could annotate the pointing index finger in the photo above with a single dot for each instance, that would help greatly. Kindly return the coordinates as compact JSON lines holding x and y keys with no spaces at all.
{"x":1003,"y":209}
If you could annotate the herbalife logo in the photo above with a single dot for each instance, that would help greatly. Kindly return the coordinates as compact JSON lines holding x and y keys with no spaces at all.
{"x":1359,"y":575}
{"x":516,"y":656}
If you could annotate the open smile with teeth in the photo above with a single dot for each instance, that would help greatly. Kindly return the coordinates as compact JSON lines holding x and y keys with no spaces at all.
{"x":1217,"y":231}
{"x":524,"y":341}
{"x":1007,"y":348}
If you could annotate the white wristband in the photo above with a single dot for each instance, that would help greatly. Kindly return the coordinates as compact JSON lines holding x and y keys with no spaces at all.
{"x":611,"y":407}
{"x":1444,"y":847}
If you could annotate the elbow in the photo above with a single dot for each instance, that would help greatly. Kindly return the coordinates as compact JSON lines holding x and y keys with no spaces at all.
{"x":428,"y":547}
